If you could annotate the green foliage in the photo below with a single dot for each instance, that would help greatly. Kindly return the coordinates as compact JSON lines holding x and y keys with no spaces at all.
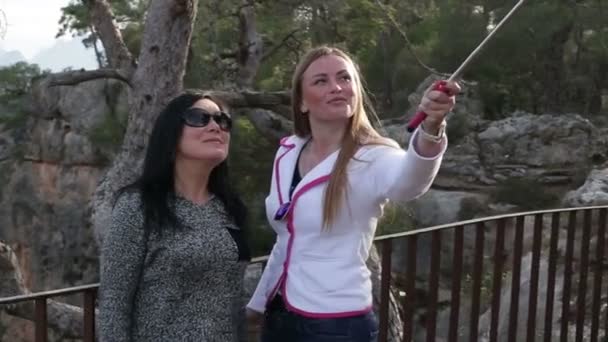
{"x":6,"y":170}
{"x":397,"y":218}
{"x":533,"y":64}
{"x":128,"y":14}
{"x":15,"y":83}
{"x":108,"y":134}
{"x":16,"y":79}
{"x":524,"y":192}
{"x":251,"y":160}
{"x":470,"y":208}
{"x":13,"y":120}
{"x":458,"y":128}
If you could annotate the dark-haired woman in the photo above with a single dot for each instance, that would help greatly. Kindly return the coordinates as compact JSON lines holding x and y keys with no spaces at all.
{"x":172,"y":261}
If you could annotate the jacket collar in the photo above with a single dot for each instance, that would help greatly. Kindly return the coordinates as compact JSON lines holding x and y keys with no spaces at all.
{"x":286,"y":164}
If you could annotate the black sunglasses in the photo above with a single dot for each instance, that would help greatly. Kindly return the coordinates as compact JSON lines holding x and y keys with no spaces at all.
{"x":197,"y":117}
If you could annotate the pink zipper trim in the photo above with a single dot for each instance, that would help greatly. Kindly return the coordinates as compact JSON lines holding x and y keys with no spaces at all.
{"x":276,"y":167}
{"x":281,"y":283}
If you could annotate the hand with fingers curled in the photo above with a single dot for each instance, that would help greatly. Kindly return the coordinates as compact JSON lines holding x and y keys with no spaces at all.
{"x":436,"y":104}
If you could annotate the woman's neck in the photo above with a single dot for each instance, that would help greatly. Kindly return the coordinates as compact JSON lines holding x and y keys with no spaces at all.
{"x":192,"y":180}
{"x":326,"y":137}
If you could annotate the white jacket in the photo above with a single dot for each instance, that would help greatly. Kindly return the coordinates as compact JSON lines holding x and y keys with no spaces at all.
{"x":322,"y":272}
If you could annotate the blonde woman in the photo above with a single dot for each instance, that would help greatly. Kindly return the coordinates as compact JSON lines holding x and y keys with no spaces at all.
{"x":330,"y":182}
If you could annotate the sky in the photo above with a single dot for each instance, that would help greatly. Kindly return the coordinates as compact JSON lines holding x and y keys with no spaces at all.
{"x":31,"y":26}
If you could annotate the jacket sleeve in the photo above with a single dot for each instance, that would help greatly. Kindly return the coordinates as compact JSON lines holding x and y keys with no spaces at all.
{"x":260,"y":296}
{"x":275,"y":259}
{"x":121,"y":264}
{"x":402,"y":175}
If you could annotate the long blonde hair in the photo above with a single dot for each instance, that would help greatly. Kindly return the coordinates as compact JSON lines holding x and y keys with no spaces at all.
{"x":359,"y":132}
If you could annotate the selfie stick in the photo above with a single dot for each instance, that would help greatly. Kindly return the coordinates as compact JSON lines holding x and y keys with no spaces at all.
{"x":442,"y":85}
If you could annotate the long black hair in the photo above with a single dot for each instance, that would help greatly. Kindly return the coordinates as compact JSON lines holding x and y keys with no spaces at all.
{"x":156,"y":183}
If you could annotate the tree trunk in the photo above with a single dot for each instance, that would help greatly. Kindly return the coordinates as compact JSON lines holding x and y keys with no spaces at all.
{"x":387,"y":98}
{"x":553,"y":70}
{"x":251,"y":48}
{"x":157,"y":78}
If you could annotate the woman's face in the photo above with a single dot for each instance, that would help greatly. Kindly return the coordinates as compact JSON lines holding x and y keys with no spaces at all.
{"x":203,"y":138}
{"x":328,"y":89}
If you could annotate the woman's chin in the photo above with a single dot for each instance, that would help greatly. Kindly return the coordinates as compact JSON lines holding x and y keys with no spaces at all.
{"x":212,"y":157}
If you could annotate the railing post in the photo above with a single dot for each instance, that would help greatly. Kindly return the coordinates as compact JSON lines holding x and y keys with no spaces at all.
{"x":533,"y":300}
{"x":456,"y":283}
{"x":497,"y":278}
{"x":477,"y":274}
{"x":583,"y":274}
{"x":567,"y":276}
{"x":410,"y":289}
{"x":385,"y":284}
{"x":89,"y":316}
{"x":431,"y":319}
{"x":515,"y":278}
{"x":553,"y":256}
{"x":597,"y":283}
{"x":40,"y":320}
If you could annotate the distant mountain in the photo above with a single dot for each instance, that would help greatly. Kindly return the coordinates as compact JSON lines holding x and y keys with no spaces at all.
{"x":10,"y":57}
{"x":66,"y":54}
{"x":61,"y":55}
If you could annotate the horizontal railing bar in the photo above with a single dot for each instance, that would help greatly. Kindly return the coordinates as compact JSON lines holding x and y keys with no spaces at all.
{"x":48,"y":294}
{"x":262,"y":259}
{"x":484,"y":219}
{"x":75,"y":289}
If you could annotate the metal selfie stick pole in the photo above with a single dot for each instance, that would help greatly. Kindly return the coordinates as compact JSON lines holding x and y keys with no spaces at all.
{"x":442,"y":85}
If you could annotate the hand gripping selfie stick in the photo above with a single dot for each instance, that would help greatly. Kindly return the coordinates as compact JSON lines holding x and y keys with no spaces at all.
{"x":442,"y":85}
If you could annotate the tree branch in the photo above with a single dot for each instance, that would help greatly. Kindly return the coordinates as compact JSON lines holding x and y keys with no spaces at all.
{"x":272,"y":127}
{"x":408,"y":44}
{"x":79,"y":76}
{"x":276,"y":47}
{"x":117,"y":53}
{"x":278,"y":102}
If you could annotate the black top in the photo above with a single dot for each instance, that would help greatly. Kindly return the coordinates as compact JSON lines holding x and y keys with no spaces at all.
{"x":296,"y":173}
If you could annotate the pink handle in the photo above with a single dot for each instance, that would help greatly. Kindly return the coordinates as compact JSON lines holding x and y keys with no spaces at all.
{"x":420,"y":116}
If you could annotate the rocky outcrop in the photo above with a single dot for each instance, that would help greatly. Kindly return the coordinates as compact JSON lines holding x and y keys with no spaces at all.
{"x":49,"y":168}
{"x":555,"y":150}
{"x":593,"y":192}
{"x":48,"y":175}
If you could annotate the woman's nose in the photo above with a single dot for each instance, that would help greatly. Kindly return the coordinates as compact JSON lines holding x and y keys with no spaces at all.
{"x":335,"y":87}
{"x":212,"y":125}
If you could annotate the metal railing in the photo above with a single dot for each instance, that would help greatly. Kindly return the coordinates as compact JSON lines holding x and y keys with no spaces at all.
{"x":40,"y":300}
{"x":590,"y":264}
{"x":476,"y":277}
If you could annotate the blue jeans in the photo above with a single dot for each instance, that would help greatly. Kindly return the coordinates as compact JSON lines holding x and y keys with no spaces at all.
{"x":281,"y":325}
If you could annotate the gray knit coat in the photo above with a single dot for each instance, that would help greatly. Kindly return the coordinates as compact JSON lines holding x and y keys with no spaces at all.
{"x":183,"y":285}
